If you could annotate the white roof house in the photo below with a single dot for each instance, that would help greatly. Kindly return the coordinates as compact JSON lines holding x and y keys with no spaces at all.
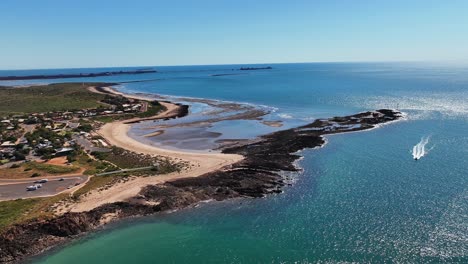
{"x":7,"y":144}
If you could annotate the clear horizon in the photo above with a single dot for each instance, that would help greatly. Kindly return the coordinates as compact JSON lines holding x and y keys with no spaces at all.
{"x":53,"y":34}
{"x":430,"y":63}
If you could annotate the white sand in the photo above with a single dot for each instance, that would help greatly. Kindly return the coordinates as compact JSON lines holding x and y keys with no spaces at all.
{"x":116,"y":134}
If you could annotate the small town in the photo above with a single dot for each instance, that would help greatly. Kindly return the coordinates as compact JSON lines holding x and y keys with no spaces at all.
{"x":43,"y":136}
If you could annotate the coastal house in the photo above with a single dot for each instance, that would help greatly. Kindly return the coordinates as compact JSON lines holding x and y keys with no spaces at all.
{"x":63,"y":151}
{"x":46,"y":144}
{"x":73,"y":125}
{"x":7,"y":144}
{"x":104,"y":144}
{"x":23,"y":141}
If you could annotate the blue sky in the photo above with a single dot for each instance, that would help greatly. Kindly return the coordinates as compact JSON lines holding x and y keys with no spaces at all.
{"x":57,"y":34}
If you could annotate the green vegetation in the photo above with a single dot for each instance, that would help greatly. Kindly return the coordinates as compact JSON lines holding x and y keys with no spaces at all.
{"x":125,"y":159}
{"x":46,"y":141}
{"x":154,"y":108}
{"x":35,"y":169}
{"x":117,"y":100}
{"x":14,"y":166}
{"x":11,"y":211}
{"x":46,"y":109}
{"x":41,"y":133}
{"x":17,"y":211}
{"x":85,"y":128}
{"x":92,"y":166}
{"x":95,"y":183}
{"x":47,"y":98}
{"x":51,"y":169}
{"x":106,"y":119}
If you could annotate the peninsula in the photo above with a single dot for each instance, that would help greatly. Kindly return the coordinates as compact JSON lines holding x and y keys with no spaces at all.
{"x":126,"y":177}
{"x":78,"y":75}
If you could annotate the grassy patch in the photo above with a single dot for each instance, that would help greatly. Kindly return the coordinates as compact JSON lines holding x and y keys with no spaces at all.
{"x":11,"y":211}
{"x":94,"y":183}
{"x":106,"y":119}
{"x":26,"y":170}
{"x":16,"y":211}
{"x":47,"y":98}
{"x":125,"y":159}
{"x":91,"y":166}
{"x":50,"y":169}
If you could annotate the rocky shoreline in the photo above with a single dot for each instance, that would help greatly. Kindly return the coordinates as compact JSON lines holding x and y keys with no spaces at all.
{"x":259,"y":174}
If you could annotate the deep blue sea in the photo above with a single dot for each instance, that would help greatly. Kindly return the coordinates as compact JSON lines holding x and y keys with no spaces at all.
{"x":361,"y":198}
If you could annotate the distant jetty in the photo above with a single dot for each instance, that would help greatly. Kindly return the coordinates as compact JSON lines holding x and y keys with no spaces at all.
{"x":255,"y":68}
{"x":79,"y":75}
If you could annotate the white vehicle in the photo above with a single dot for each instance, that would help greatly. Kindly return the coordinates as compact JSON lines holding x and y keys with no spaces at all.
{"x":31,"y":188}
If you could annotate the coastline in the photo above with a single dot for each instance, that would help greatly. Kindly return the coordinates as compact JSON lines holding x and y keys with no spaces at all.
{"x":255,"y":168}
{"x":116,"y":134}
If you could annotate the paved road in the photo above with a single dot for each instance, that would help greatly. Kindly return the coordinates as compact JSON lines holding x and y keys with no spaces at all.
{"x":17,"y":189}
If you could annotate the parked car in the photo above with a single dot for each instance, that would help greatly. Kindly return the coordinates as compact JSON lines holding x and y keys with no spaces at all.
{"x":41,"y":181}
{"x":31,"y":188}
{"x":61,"y":179}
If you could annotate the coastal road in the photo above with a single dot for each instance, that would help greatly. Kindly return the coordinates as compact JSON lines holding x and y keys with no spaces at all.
{"x":16,"y":189}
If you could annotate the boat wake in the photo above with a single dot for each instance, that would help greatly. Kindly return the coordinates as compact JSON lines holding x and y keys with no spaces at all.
{"x":419,"y":150}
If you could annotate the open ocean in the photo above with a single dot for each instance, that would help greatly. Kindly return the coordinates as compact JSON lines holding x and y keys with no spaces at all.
{"x":361,"y":198}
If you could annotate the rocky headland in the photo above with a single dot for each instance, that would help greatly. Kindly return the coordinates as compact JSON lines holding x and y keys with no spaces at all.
{"x":260,"y":173}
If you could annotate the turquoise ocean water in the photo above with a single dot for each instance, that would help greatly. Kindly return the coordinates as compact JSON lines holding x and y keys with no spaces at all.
{"x":360,"y":198}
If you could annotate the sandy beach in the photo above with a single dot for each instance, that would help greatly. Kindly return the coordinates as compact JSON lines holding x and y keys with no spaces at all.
{"x":116,"y":133}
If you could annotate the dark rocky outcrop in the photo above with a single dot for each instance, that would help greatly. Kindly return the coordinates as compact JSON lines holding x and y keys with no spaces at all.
{"x":259,"y":174}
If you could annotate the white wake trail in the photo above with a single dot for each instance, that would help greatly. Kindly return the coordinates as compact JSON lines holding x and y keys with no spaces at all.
{"x":419,"y":150}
